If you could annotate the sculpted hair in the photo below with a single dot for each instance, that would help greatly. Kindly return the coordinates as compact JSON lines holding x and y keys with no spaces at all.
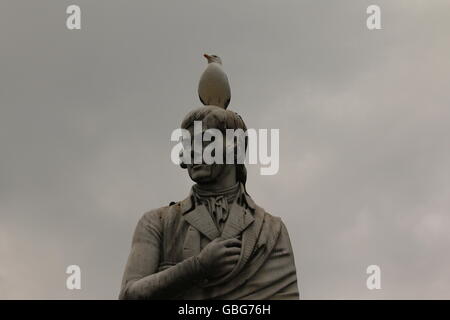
{"x":220,"y":119}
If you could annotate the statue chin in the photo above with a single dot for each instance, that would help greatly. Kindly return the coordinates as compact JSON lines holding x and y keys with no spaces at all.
{"x":201,"y":173}
{"x":204,"y":173}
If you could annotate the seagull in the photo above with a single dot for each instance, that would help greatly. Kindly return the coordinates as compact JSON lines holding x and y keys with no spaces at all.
{"x":213,"y":88}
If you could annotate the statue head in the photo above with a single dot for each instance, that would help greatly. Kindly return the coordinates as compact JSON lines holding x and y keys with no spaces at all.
{"x":213,"y":117}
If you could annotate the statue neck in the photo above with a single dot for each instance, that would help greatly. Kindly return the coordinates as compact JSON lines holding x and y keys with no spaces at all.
{"x":205,"y":192}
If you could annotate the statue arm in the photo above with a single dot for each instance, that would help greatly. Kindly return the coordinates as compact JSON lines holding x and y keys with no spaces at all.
{"x":286,"y":257}
{"x":141,"y":279}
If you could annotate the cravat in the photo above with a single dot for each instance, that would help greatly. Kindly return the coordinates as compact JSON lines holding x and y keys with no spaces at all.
{"x":218,"y":202}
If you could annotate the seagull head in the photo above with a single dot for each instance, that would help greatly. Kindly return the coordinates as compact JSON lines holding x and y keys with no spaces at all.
{"x":213,"y":58}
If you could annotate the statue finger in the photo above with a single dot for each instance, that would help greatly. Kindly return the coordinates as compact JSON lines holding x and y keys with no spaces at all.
{"x":233,"y":251}
{"x":233,"y":242}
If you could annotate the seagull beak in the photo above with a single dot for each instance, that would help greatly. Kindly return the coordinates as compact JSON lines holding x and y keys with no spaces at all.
{"x":207,"y":56}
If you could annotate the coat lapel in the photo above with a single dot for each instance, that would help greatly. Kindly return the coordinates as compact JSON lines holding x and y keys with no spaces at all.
{"x":239,"y":217}
{"x":249,"y":239}
{"x":201,"y":220}
{"x":238,"y":220}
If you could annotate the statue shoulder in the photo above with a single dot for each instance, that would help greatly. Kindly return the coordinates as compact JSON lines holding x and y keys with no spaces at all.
{"x":271,"y":223}
{"x":260,"y":213}
{"x":152,"y":217}
{"x":276,"y":226}
{"x":154,"y":213}
{"x":159,"y":214}
{"x":267,"y":216}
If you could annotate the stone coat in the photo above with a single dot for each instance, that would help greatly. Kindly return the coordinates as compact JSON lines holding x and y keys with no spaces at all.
{"x":167,"y":240}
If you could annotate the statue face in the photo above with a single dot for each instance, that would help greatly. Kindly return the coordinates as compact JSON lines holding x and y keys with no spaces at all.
{"x":205,"y":173}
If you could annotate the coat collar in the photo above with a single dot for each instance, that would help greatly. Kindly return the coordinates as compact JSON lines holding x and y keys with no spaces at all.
{"x":239,"y":218}
{"x":187,"y":204}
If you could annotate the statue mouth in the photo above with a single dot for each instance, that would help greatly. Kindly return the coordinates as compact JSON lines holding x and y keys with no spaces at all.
{"x":199,"y":165}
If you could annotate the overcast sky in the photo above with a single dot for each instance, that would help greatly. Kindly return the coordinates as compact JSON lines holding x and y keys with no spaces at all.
{"x":364,"y":119}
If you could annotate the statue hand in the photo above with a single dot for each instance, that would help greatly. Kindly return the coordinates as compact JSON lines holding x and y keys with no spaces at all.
{"x":219,"y":256}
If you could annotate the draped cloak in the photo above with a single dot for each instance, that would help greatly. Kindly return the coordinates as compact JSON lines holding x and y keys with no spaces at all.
{"x":171,"y":235}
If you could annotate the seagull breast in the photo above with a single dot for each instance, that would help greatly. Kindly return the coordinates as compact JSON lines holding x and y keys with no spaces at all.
{"x":214,"y":88}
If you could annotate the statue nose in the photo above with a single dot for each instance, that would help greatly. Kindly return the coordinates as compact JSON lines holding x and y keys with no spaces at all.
{"x":197,"y":156}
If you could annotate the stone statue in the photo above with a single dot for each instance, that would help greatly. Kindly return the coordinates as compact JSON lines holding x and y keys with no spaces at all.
{"x":215,"y":244}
